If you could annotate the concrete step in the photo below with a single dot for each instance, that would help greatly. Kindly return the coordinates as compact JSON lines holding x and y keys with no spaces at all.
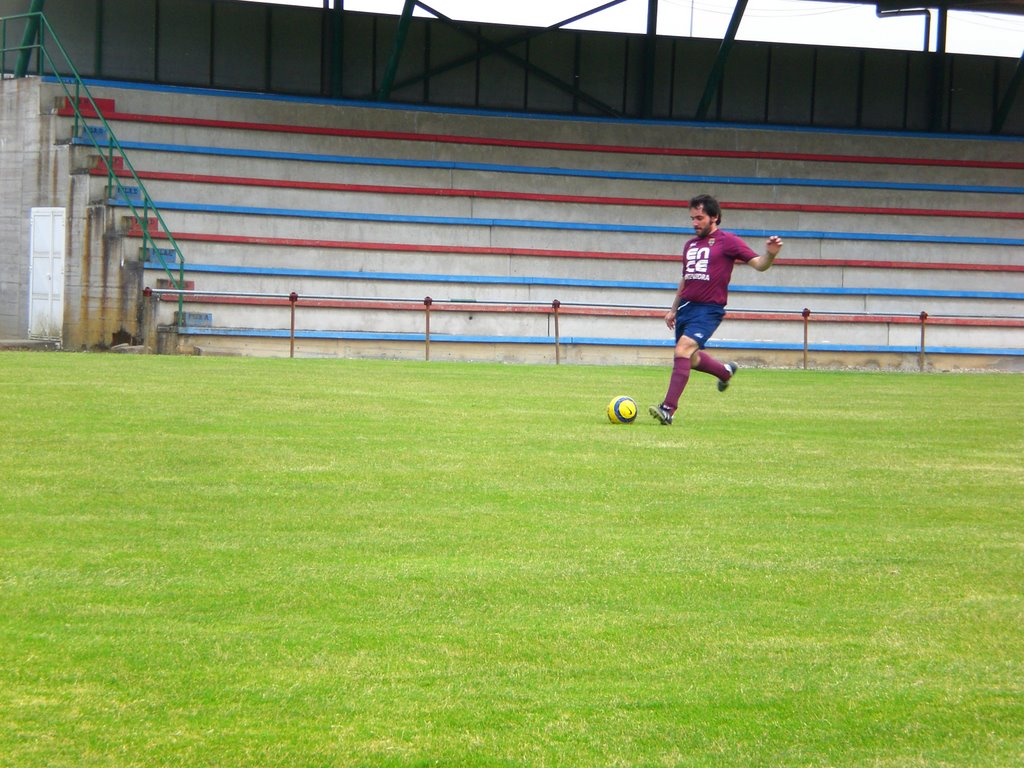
{"x":580,"y":265}
{"x":581,"y":159}
{"x":275,"y":197}
{"x":564,"y":178}
{"x":601,"y":237}
{"x":220,"y":105}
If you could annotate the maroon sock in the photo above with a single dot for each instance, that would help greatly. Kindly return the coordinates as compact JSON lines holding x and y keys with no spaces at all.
{"x":677,"y":383}
{"x":707,"y":364}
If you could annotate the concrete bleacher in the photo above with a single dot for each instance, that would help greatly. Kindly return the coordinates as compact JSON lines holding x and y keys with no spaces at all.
{"x":365,"y":211}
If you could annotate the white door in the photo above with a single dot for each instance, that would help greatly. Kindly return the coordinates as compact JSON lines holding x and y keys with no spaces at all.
{"x":46,"y":302}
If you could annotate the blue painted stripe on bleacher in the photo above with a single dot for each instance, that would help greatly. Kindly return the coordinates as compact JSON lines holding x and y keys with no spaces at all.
{"x":554,"y":171}
{"x":584,"y":340}
{"x":396,"y":218}
{"x":444,"y":110}
{"x":461,"y":221}
{"x":578,"y":282}
{"x":413,"y":277}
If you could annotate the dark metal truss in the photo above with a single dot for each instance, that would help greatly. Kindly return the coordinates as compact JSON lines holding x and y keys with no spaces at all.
{"x":503,"y":48}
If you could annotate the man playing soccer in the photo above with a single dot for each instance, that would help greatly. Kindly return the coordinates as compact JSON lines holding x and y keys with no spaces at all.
{"x":699,"y":305}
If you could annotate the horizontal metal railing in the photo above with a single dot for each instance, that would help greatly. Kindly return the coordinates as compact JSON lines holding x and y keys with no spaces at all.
{"x":556,"y":308}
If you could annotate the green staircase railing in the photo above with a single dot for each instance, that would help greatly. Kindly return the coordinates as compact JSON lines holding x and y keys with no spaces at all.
{"x":37,"y":34}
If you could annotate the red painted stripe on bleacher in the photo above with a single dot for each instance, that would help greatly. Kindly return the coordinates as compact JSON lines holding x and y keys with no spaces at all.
{"x":106,"y":106}
{"x":327,"y":186}
{"x":291,"y":242}
{"x":588,"y":311}
{"x":437,"y":138}
{"x":405,"y":247}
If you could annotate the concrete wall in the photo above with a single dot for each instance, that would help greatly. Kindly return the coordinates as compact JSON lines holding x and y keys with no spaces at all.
{"x":38,"y":169}
{"x":33,"y":173}
{"x":103,"y":282}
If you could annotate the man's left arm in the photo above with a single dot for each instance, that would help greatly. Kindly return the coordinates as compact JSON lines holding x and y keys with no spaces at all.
{"x":772,"y":247}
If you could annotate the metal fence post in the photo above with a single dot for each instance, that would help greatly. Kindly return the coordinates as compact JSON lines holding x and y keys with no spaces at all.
{"x":147,"y":316}
{"x":920,"y":354}
{"x":558,"y":353}
{"x":427,"y":301}
{"x":292,"y":298}
{"x":807,"y":314}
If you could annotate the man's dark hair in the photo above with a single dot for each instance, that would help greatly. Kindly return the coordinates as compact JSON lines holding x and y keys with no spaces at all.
{"x":710,"y":206}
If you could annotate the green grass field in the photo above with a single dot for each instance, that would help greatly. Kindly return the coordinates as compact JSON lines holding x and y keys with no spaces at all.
{"x":242,"y":562}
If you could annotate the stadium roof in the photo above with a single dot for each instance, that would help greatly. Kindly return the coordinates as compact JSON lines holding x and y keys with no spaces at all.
{"x":739,"y":8}
{"x":1015,"y":7}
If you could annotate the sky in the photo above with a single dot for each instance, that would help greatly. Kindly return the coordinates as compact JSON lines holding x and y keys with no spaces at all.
{"x":784,"y":21}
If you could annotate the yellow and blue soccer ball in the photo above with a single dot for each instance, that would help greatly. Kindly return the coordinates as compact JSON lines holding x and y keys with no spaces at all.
{"x":622,"y":410}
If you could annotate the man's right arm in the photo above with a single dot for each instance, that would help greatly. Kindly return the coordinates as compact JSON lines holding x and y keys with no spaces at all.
{"x":772,"y":247}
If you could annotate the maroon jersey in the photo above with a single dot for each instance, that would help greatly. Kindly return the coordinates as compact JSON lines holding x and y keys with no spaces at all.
{"x":708,"y":266}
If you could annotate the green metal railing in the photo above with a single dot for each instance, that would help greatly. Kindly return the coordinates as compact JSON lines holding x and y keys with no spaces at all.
{"x":36,"y":34}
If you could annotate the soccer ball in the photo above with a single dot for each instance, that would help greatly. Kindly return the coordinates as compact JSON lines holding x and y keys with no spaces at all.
{"x":622,"y":410}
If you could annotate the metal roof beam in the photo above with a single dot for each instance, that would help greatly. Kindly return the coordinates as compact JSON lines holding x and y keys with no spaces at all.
{"x":650,"y":52}
{"x":501,"y":49}
{"x":29,"y":39}
{"x":384,"y":92}
{"x":718,"y":68}
{"x":999,"y":120}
